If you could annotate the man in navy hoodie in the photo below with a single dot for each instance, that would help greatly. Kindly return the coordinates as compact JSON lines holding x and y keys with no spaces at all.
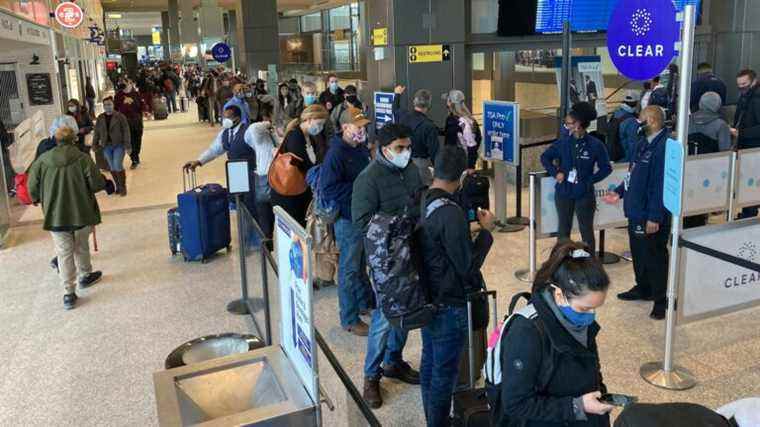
{"x":577,"y":161}
{"x":345,"y":159}
{"x":648,"y":220}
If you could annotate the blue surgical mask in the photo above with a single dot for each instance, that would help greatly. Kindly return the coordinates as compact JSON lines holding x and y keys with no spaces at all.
{"x":309,"y":99}
{"x":240,"y":95}
{"x":576,"y":318}
{"x":334,"y":87}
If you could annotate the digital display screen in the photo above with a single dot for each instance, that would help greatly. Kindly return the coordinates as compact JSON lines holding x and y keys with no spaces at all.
{"x":584,"y":15}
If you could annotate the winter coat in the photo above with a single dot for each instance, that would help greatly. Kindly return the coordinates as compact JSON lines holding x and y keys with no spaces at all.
{"x":642,"y":200}
{"x":588,"y":156}
{"x":116,"y":134}
{"x":425,"y":143}
{"x":711,"y":125}
{"x":341,"y":167}
{"x":747,"y":119}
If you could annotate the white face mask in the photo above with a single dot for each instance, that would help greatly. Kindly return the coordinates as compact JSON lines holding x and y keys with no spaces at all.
{"x":227,"y":123}
{"x":400,"y":160}
{"x":73,"y":109}
{"x":316,"y":128}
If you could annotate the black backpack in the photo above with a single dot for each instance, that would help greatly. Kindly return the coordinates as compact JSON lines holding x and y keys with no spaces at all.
{"x":615,"y":147}
{"x":474,"y":195}
{"x":700,"y":143}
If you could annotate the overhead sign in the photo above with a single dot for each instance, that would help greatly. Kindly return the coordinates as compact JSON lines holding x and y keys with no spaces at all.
{"x":429,"y":53}
{"x":69,"y":14}
{"x":672,"y":189}
{"x":294,"y":254}
{"x":221,"y":52}
{"x":708,"y":286}
{"x":380,"y":36}
{"x":156,"y":36}
{"x":383,"y":108}
{"x":501,"y":126}
{"x":642,"y":36}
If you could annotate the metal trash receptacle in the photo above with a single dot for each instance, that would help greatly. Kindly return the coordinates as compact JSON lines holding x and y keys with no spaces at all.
{"x":211,"y":347}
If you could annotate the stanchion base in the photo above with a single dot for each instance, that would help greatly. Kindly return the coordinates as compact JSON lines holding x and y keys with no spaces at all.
{"x":608,"y":258}
{"x":524,"y":275}
{"x":627,"y":256}
{"x":677,"y":379}
{"x":239,"y":306}
{"x":510,"y":228}
{"x":518,"y":220}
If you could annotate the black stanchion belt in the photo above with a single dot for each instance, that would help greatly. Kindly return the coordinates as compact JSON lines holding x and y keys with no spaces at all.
{"x":718,"y":254}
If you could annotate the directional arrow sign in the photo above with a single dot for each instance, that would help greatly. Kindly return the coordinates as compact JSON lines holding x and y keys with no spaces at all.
{"x":427,"y":53}
{"x":446,"y":52}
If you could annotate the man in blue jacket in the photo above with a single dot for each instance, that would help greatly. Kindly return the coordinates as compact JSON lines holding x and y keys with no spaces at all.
{"x":577,"y":161}
{"x":425,"y":143}
{"x":345,"y":160}
{"x":648,"y":221}
{"x":241,"y":91}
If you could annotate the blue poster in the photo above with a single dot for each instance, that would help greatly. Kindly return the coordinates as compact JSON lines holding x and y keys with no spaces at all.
{"x":383,"y":108}
{"x":501,"y":131}
{"x":673,"y":186}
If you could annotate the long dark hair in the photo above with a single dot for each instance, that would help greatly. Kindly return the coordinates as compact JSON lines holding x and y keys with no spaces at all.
{"x":574,"y":268}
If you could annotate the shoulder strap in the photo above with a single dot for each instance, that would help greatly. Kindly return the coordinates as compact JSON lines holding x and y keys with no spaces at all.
{"x":437,"y":203}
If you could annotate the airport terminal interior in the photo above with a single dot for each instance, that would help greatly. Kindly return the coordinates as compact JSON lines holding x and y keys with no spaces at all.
{"x":252,"y":331}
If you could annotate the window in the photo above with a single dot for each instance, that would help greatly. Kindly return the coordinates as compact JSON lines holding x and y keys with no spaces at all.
{"x":311,"y":23}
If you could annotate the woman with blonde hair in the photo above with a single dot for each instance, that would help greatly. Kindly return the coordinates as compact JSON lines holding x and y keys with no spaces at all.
{"x":461,"y":128}
{"x":303,"y":140}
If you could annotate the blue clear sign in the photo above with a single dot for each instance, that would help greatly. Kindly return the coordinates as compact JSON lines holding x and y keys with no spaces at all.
{"x":221,"y":52}
{"x":383,"y":108}
{"x":673,"y":186}
{"x":642,"y":36}
{"x":501,"y":131}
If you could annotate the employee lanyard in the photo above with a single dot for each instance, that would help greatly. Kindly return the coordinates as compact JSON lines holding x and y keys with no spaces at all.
{"x":577,"y":148}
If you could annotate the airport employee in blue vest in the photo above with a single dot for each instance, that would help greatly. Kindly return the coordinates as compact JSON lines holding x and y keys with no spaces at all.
{"x":577,"y":161}
{"x":648,"y":221}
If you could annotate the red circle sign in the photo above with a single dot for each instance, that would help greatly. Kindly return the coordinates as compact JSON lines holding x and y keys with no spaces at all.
{"x":69,"y":14}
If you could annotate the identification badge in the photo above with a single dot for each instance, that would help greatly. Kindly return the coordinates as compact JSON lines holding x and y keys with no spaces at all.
{"x":627,"y":180}
{"x":572,"y":177}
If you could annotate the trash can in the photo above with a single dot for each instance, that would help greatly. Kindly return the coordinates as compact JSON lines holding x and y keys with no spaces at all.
{"x":211,"y":347}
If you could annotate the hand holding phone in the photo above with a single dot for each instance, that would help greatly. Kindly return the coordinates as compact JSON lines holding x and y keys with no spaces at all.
{"x":620,"y":400}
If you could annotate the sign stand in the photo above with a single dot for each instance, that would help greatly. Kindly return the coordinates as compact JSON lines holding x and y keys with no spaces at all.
{"x":518,"y":219}
{"x":606,"y":257}
{"x":665,"y":374}
{"x":528,"y":274}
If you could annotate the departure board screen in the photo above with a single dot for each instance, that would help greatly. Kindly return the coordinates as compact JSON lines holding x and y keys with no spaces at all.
{"x":584,"y":15}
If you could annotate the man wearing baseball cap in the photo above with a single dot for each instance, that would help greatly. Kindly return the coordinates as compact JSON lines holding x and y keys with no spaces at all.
{"x":622,"y":131}
{"x":346,"y":158}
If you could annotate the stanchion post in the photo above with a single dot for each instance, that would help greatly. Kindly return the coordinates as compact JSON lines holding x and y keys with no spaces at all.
{"x":606,"y":257}
{"x":240,"y":306}
{"x":732,"y":187}
{"x":265,"y":290}
{"x":527,"y":275}
{"x":666,"y":374}
{"x":518,"y":219}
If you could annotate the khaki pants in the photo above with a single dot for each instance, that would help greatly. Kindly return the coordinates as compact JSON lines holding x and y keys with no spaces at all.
{"x":73,"y":251}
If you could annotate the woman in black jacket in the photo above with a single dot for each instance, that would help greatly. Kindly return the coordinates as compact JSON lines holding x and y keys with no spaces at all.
{"x":303,"y":138}
{"x":550,"y":364}
{"x":461,"y":128}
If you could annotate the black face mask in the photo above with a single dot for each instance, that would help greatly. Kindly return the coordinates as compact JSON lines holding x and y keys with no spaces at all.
{"x":643,"y":129}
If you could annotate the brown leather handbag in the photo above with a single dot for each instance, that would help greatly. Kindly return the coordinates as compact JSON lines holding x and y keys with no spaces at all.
{"x":285,"y":177}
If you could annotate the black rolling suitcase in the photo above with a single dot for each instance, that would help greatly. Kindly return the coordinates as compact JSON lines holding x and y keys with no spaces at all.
{"x":471,"y":405}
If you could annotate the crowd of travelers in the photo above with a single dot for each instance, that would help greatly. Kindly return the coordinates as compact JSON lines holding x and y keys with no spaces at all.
{"x":316,"y":156}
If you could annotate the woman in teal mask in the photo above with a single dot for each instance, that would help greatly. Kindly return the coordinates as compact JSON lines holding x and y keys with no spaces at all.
{"x":550,"y":368}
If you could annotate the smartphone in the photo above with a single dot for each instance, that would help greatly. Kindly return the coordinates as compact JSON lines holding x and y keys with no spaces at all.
{"x":621,"y":400}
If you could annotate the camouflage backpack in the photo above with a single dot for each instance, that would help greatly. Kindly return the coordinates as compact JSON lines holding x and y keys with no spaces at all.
{"x":394,"y":267}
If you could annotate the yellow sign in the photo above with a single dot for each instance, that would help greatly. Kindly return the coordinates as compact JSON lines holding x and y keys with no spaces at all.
{"x":156,"y":36}
{"x":380,"y":37}
{"x":429,"y":53}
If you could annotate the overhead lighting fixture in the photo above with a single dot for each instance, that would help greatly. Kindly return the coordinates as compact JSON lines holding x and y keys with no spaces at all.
{"x":114,"y":16}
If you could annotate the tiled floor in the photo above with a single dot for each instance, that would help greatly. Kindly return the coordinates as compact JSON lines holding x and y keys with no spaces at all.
{"x":92,"y":366}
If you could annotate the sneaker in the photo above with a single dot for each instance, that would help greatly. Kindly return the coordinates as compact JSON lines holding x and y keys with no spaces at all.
{"x":133,"y":166}
{"x":634,"y":294}
{"x":372,"y":393}
{"x":403,"y":372}
{"x":90,"y":279}
{"x":54,"y":264}
{"x":360,"y":329}
{"x":69,"y":301}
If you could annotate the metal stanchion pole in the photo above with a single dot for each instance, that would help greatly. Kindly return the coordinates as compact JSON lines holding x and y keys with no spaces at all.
{"x":665,"y":374}
{"x":518,"y":219}
{"x":732,"y":187}
{"x":240,"y":306}
{"x":606,"y":257}
{"x":527,"y":275}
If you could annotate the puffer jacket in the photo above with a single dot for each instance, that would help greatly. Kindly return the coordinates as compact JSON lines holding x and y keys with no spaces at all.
{"x":116,"y":134}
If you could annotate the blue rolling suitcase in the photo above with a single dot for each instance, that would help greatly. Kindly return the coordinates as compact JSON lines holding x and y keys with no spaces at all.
{"x":204,"y":218}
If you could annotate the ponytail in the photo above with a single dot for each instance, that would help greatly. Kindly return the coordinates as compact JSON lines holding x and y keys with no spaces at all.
{"x":572,"y":267}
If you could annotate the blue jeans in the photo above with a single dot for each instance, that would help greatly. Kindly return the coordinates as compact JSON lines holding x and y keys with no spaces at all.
{"x":114,"y":155}
{"x":171,"y":102}
{"x":353,"y":284}
{"x":384,"y":345}
{"x":442,"y":342}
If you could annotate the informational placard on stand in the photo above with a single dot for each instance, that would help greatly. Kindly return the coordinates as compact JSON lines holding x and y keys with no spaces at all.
{"x":501,"y":131}
{"x":748,"y":179}
{"x":383,"y":108}
{"x":293,"y":248}
{"x":707,"y":181}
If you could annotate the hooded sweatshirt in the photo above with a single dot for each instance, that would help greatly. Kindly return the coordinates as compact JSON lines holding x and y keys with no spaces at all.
{"x":708,"y":121}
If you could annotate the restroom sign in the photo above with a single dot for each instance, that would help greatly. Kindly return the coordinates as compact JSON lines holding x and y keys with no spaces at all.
{"x":69,"y":15}
{"x":429,"y":53}
{"x":642,"y":36}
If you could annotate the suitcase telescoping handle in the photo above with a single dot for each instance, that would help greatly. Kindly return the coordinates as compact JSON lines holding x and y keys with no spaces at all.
{"x":188,"y":177}
{"x":491,"y":295}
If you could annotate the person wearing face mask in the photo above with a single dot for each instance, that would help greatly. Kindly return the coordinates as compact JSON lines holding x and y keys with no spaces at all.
{"x":461,"y":128}
{"x":333,"y":95}
{"x":451,"y":262}
{"x":425,"y":143}
{"x":112,"y":136}
{"x":345,"y":160}
{"x":129,"y":103}
{"x":340,"y":115}
{"x":304,"y":139}
{"x":648,"y":220}
{"x":223,"y":94}
{"x":84,"y":122}
{"x":577,"y":161}
{"x":550,"y":368}
{"x":391,"y":184}
{"x":239,"y":100}
{"x":746,"y":128}
{"x":48,"y":144}
{"x":309,"y":94}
